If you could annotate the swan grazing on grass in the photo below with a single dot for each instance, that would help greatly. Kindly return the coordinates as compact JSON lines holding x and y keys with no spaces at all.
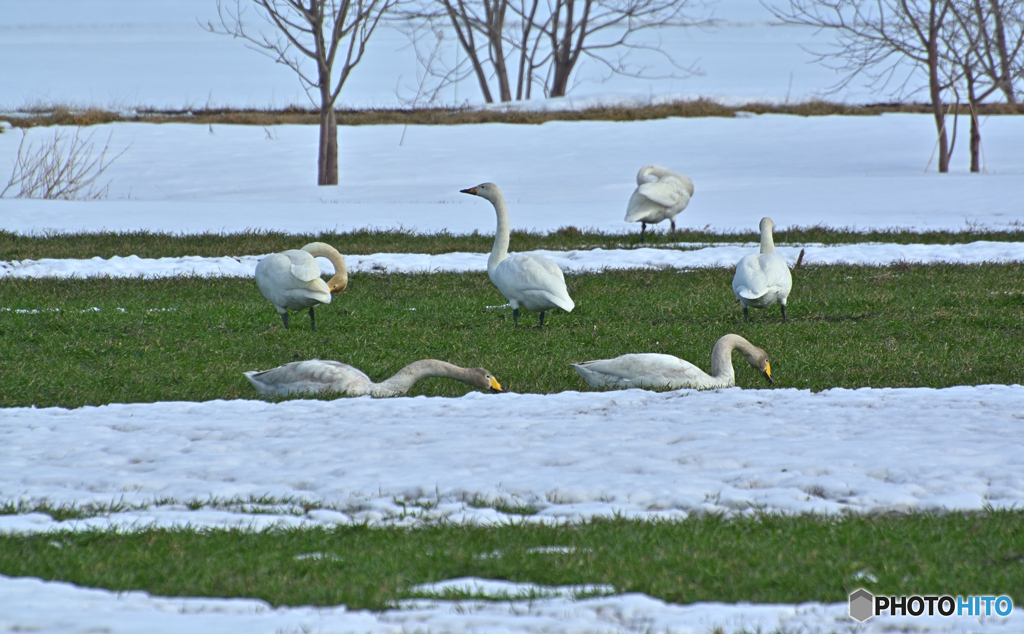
{"x":290,"y":280}
{"x":666,"y":371}
{"x":331,"y":376}
{"x":659,"y":199}
{"x":763,"y":278}
{"x":531,"y":281}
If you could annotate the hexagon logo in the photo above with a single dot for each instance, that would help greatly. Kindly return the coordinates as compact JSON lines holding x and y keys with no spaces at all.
{"x":862,"y":605}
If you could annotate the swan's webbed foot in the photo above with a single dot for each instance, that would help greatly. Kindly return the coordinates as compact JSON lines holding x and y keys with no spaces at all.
{"x":312,"y":319}
{"x":284,"y":318}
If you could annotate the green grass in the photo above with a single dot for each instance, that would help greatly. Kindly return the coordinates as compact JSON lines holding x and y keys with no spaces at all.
{"x":766,"y":558}
{"x":191,"y":338}
{"x":15,"y":246}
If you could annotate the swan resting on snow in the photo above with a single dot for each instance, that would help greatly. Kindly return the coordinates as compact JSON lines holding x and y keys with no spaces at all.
{"x":291,"y":280}
{"x":659,"y":199}
{"x":667,"y":371}
{"x":531,"y":281}
{"x":763,"y":278}
{"x":316,"y":376}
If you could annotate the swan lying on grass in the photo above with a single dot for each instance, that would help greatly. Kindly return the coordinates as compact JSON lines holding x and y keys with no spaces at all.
{"x":763,"y":278}
{"x":659,"y":199}
{"x":291,"y":280}
{"x":531,"y":281}
{"x":314,"y":376}
{"x":667,"y":371}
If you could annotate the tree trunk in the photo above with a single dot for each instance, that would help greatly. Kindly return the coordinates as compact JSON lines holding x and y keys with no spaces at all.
{"x":935,"y":92}
{"x":327,"y":165}
{"x":972,"y":102}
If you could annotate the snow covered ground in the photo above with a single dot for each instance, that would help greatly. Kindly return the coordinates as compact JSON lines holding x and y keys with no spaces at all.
{"x":856,"y":172}
{"x":572,"y":456}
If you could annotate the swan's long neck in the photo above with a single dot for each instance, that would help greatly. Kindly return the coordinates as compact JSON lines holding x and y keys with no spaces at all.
{"x":767,"y":241}
{"x":721,"y":358}
{"x":324,"y":250}
{"x":501,"y":236}
{"x":404,"y":379}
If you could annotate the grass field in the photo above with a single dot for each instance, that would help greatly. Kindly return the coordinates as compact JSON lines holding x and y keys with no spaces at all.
{"x":760,"y":559}
{"x":86,"y":342}
{"x":157,"y":245}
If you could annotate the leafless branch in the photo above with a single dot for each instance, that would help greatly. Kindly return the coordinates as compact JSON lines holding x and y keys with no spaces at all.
{"x":63,"y":167}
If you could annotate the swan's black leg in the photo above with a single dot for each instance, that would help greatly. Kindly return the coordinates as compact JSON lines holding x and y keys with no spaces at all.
{"x":515,"y":317}
{"x":312,"y":319}
{"x":284,"y":318}
{"x":783,"y":313}
{"x":643,"y":228}
{"x":746,"y":315}
{"x":673,"y":221}
{"x":541,"y":326}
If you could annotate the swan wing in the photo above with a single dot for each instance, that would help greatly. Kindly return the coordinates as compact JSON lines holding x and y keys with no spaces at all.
{"x":310,"y":377}
{"x":291,"y":280}
{"x":641,"y":370}
{"x":671,"y":191}
{"x":749,"y":282}
{"x":533,"y":281}
{"x":776,"y":272}
{"x":642,"y":208}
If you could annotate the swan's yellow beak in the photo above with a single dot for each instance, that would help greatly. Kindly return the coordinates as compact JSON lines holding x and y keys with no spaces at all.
{"x":471,"y":190}
{"x":495,"y":386}
{"x":768,"y":372}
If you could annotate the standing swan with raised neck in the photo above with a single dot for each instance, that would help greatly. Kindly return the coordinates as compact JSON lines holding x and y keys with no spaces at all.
{"x":649,"y":370}
{"x":314,"y":376}
{"x":531,"y":281}
{"x":763,"y":278}
{"x":291,"y":280}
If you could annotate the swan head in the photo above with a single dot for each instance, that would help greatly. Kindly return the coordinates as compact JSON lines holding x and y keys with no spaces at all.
{"x":767,"y":225}
{"x":759,"y":361}
{"x":482,"y":378}
{"x":337,"y":285}
{"x":489,"y":191}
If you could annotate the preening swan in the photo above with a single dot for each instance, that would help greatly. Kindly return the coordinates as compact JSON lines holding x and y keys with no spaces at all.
{"x":666,"y":371}
{"x":290,"y":280}
{"x":331,"y":376}
{"x":531,"y":281}
{"x":763,"y":278}
{"x":659,"y":199}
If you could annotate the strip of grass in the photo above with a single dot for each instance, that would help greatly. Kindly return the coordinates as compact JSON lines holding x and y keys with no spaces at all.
{"x":191,"y":338}
{"x":47,"y":114}
{"x":146,"y":244}
{"x":767,"y":558}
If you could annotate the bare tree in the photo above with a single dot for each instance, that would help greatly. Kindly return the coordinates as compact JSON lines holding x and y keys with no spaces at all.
{"x":324,"y":32}
{"x":984,"y":47}
{"x":64,"y":167}
{"x":521,"y":43}
{"x":886,"y":41}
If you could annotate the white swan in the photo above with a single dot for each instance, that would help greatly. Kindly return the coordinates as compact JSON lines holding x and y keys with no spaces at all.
{"x":666,"y":371}
{"x":659,"y":199}
{"x":763,"y":278}
{"x":291,"y":280}
{"x":531,"y":281}
{"x":331,"y":376}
